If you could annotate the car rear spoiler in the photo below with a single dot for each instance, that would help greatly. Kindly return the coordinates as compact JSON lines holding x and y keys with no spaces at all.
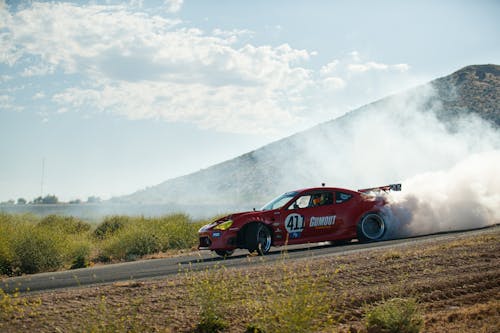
{"x":386,"y":188}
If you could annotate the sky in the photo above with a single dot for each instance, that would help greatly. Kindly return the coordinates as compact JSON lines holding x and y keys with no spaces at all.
{"x":103,"y":98}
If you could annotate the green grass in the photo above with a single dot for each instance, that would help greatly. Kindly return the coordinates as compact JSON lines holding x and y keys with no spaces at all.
{"x":31,"y":244}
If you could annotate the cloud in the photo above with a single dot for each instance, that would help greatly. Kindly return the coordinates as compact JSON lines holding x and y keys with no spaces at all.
{"x":329,"y":68}
{"x":173,"y":6}
{"x":39,"y":95}
{"x":38,"y":70}
{"x":6,"y":103}
{"x":139,"y":65}
{"x":369,"y":66}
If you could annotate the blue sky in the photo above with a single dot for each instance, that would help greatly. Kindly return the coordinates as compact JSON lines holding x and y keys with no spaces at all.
{"x":116,"y":96}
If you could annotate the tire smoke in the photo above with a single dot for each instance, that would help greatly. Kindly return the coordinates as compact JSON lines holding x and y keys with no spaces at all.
{"x":467,"y":196}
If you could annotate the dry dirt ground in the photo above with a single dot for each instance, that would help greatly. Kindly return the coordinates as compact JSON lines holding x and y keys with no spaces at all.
{"x":455,"y":281}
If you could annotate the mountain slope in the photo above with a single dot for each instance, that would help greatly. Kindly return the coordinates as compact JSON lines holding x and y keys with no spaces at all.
{"x":429,"y":127}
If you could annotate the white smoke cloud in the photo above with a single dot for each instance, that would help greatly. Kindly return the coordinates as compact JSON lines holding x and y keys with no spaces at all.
{"x":464,"y":197}
{"x":449,"y":169}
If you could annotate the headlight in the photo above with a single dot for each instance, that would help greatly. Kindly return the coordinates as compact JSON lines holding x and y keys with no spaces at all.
{"x":224,"y":226}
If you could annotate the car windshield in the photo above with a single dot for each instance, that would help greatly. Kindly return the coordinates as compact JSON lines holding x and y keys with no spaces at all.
{"x":279,"y":201}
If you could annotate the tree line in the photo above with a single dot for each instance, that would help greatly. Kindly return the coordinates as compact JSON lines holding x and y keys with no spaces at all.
{"x":50,"y":199}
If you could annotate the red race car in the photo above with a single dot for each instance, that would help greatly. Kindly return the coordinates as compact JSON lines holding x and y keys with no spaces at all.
{"x":304,"y":216}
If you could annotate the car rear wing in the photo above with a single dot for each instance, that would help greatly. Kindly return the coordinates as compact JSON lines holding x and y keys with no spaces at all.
{"x":386,"y":188}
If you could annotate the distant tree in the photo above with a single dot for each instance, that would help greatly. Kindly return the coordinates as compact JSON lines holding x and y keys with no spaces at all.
{"x":75,"y":202}
{"x":47,"y":200}
{"x":93,"y":199}
{"x":50,"y":199}
{"x":21,"y":201}
{"x":9,"y":202}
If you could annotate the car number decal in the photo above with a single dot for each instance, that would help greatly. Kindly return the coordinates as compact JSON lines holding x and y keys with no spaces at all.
{"x":294,"y":225}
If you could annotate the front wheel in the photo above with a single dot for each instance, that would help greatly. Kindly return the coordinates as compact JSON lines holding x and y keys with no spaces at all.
{"x":371,"y":228}
{"x":258,"y":238}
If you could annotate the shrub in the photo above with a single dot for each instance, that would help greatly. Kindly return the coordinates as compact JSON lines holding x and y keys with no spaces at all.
{"x":64,"y":224}
{"x":211,"y":292}
{"x":5,"y":255}
{"x":131,"y":242}
{"x":110,"y":226}
{"x":79,"y":254}
{"x":175,"y":231}
{"x":396,"y":315}
{"x":295,"y":303}
{"x":36,"y":250}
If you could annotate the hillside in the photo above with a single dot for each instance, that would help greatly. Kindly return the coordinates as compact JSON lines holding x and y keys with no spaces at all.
{"x":385,"y":141}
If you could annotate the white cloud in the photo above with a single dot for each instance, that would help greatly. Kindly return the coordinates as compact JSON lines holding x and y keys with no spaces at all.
{"x":329,"y":68}
{"x":173,"y":6}
{"x":334,"y":83}
{"x":6,"y":103}
{"x":39,"y":95}
{"x":371,"y":65}
{"x":140,"y":65}
{"x":38,"y":70}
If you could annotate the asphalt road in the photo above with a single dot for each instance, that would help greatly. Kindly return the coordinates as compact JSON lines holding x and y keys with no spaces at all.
{"x":158,"y":268}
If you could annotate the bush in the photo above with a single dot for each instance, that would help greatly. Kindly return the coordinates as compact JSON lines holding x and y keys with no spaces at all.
{"x":79,"y":254}
{"x":131,"y":242}
{"x":295,"y":303}
{"x":396,"y":315}
{"x":64,"y":224}
{"x":128,"y":238}
{"x":36,"y":250}
{"x":5,"y":255}
{"x":212,"y":293}
{"x":110,"y":226}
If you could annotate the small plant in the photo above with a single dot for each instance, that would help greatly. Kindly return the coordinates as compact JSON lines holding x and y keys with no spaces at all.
{"x":391,"y":255}
{"x":109,"y":319}
{"x":12,"y":306}
{"x":212,"y":294}
{"x":396,"y":315}
{"x":294,"y":303}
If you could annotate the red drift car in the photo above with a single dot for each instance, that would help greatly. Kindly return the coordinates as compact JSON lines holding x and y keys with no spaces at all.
{"x":304,"y":216}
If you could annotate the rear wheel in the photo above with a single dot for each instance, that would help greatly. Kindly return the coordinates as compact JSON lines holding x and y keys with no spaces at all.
{"x":371,"y":228}
{"x":224,"y":253}
{"x":258,"y":238}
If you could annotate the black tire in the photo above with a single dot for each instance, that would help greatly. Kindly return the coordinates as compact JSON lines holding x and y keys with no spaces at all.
{"x":372,"y":227}
{"x":258,"y":238}
{"x":224,"y":253}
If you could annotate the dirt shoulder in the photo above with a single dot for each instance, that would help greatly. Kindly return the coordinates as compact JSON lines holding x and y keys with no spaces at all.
{"x":455,"y":281}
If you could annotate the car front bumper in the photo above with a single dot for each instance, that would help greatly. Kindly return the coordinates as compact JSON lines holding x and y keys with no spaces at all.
{"x":218,"y":240}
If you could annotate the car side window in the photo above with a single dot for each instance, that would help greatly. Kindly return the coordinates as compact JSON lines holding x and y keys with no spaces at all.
{"x":341,"y":197}
{"x":321,"y":199}
{"x":301,"y":202}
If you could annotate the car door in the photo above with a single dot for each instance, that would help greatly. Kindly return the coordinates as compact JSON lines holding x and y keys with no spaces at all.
{"x":309,"y":220}
{"x":345,"y":210}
